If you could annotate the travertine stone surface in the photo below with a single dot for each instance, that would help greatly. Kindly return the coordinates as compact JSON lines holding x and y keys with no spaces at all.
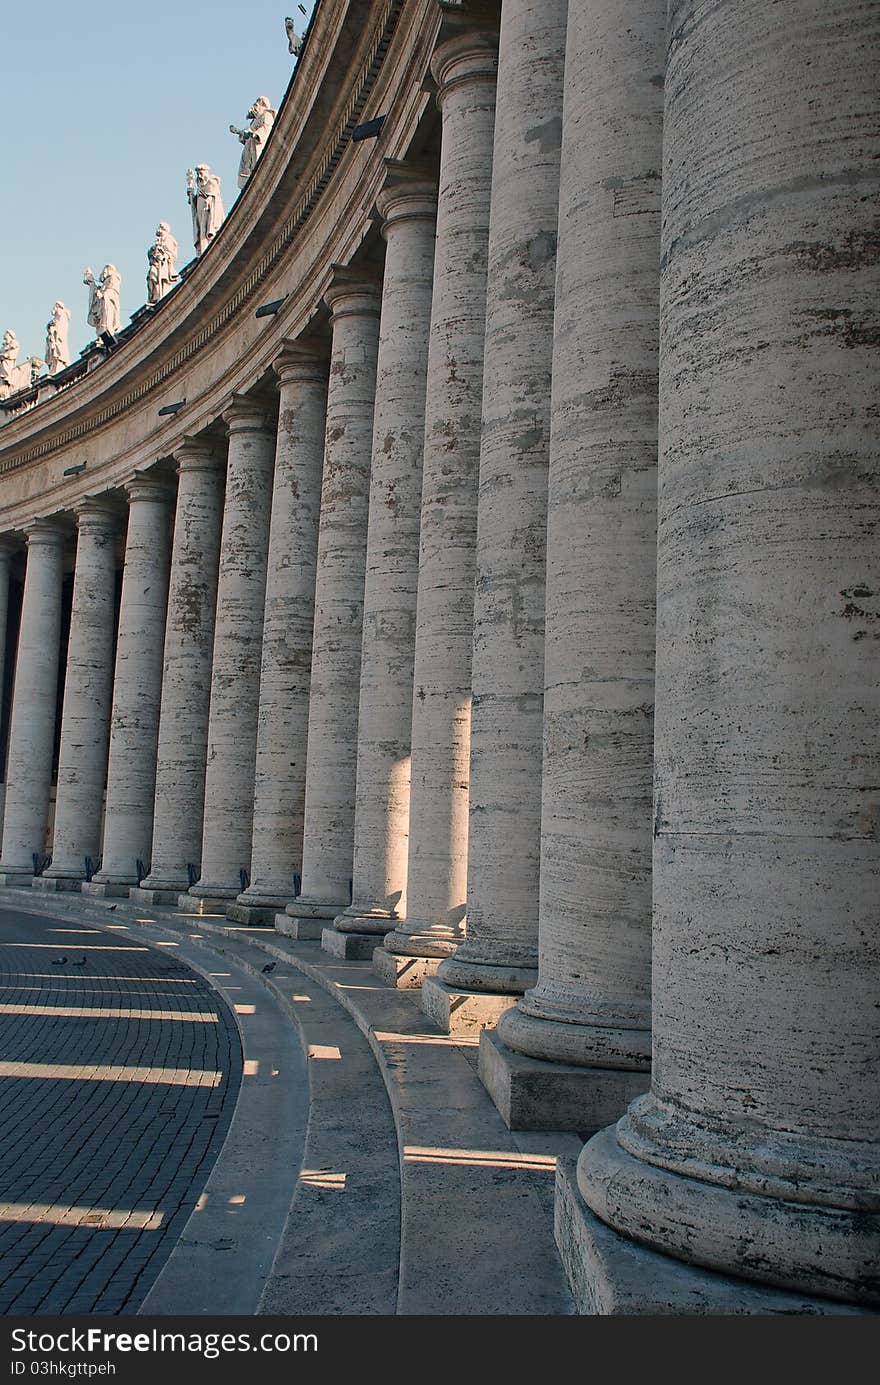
{"x":186,"y":672}
{"x":88,"y":690}
{"x":7,"y":552}
{"x":328,"y":833}
{"x":238,"y":635}
{"x":32,"y":725}
{"x":756,"y":1152}
{"x":592,"y":1002}
{"x":501,"y":950}
{"x":408,"y":206}
{"x":137,"y":687}
{"x":283,"y":723}
{"x":464,"y":66}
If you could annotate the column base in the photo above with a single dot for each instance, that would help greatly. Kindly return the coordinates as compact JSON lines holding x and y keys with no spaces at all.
{"x":372,"y":921}
{"x":404,"y":973}
{"x":421,"y":940}
{"x":301,"y":930}
{"x":351,"y":947}
{"x":54,"y":884}
{"x":612,"y":1276}
{"x":301,"y":908}
{"x":201,"y":905}
{"x":139,"y":894}
{"x":253,"y":915}
{"x":463,"y":1014}
{"x":107,"y":889}
{"x":463,"y":973}
{"x":17,"y":879}
{"x":532,"y":1094}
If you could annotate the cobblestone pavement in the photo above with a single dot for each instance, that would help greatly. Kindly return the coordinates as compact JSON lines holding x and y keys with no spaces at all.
{"x":119,"y":1069}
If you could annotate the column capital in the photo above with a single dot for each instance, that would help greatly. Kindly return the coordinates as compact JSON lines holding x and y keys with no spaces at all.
{"x":97,"y":514}
{"x":197,"y":454}
{"x":467,"y":44}
{"x":408,"y":193}
{"x":353,"y":292}
{"x":245,"y":413}
{"x":140,"y":486}
{"x":299,"y":361}
{"x":50,"y":532}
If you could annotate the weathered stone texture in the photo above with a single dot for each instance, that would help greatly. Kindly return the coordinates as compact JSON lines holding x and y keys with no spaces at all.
{"x":88,"y":690}
{"x":186,"y":674}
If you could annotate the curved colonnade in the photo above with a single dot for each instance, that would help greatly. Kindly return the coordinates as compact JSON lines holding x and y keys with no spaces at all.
{"x":501,"y":600}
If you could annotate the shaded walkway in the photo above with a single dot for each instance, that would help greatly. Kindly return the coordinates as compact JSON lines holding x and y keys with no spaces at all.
{"x":119,"y":1070}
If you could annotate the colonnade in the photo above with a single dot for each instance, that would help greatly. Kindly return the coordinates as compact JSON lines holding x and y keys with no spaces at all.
{"x":529,"y":647}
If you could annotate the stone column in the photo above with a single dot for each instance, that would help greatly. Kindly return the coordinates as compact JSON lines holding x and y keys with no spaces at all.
{"x":137,"y":689}
{"x":235,"y":672}
{"x":32,"y":726}
{"x":353,"y":299}
{"x":464,"y":66}
{"x":408,"y":206}
{"x":88,"y":689}
{"x":756,"y":1154}
{"x":186,"y":672}
{"x":7,"y":551}
{"x":283,"y":721}
{"x":589,"y":1017}
{"x":499,"y":958}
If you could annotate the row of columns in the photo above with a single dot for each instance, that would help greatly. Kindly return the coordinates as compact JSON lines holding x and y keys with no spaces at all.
{"x":416,"y":661}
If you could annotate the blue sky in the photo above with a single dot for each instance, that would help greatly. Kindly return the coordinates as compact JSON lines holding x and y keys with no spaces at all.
{"x":106,"y":105}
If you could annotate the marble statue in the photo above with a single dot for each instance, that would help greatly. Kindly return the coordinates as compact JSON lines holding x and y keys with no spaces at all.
{"x":203,"y":193}
{"x":294,"y":42}
{"x":12,"y":375}
{"x":162,"y":259}
{"x":57,"y":347}
{"x":262,"y":118}
{"x":104,"y":309}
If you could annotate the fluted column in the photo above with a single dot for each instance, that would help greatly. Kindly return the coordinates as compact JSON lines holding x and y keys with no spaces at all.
{"x":353,"y":300}
{"x":137,"y":689}
{"x":591,"y":1006}
{"x":500,"y":953}
{"x":756,"y":1152}
{"x":408,"y":206}
{"x":186,"y":671}
{"x":32,"y":726}
{"x":88,"y":688}
{"x":235,"y":671}
{"x":283,"y":722}
{"x":464,"y":68}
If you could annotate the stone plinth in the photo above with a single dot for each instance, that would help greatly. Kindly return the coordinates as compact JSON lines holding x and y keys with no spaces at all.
{"x":406,"y":973}
{"x":301,"y":929}
{"x":464,"y":66}
{"x":462,"y":1013}
{"x":186,"y":671}
{"x":535,"y":1095}
{"x":328,"y":833}
{"x":349,"y":946}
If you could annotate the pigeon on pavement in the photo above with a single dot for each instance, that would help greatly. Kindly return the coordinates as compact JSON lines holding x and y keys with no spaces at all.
{"x":81,"y":963}
{"x":58,"y":961}
{"x":270,"y":966}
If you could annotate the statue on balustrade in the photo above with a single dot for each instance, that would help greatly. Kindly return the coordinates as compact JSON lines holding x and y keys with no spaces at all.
{"x":262,"y":118}
{"x":104,"y":300}
{"x":162,"y":258}
{"x":203,"y":193}
{"x":12,"y":375}
{"x":294,"y":42}
{"x":57,"y":347}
